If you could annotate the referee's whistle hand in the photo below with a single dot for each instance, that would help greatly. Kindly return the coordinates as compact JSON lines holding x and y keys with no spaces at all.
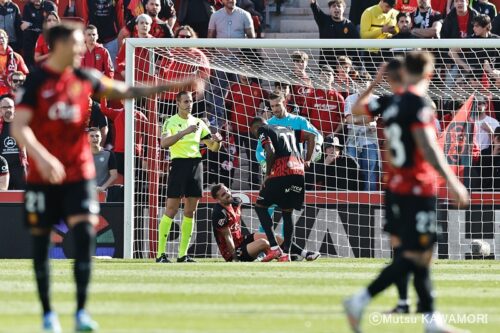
{"x":217,"y":137}
{"x":191,"y":129}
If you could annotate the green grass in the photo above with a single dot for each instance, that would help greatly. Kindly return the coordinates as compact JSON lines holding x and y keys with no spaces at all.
{"x":216,"y":297}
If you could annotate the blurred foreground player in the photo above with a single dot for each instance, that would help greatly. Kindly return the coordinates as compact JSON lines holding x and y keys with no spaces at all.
{"x":284,"y":183}
{"x":50,"y":122}
{"x":233,"y":245}
{"x":414,"y":159}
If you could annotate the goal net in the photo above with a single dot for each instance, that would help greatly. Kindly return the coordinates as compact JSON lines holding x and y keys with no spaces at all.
{"x":343,"y":213}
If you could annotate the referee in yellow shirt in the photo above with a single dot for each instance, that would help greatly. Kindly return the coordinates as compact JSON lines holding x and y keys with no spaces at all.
{"x":182,"y":133}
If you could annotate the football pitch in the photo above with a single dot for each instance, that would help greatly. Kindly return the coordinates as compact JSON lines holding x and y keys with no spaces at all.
{"x":212,"y":296}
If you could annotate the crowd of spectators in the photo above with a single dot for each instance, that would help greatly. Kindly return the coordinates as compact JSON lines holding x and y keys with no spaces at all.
{"x":352,"y":158}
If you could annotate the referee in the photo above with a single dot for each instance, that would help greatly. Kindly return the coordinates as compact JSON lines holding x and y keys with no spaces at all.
{"x":182,"y":133}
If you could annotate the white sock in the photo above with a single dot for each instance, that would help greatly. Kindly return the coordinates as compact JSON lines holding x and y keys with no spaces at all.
{"x":364,"y":297}
{"x":403,"y":302}
{"x":275,"y":247}
{"x":303,"y":253}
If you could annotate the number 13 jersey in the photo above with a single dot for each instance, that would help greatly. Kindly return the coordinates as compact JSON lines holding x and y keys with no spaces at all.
{"x":408,"y":173}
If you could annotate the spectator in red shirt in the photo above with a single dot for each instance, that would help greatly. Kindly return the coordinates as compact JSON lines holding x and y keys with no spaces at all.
{"x":118,"y":118}
{"x":242,"y":101}
{"x":10,"y":61}
{"x":107,"y":16}
{"x":171,"y":67}
{"x":142,"y":61}
{"x":41,"y":48}
{"x":458,"y":23}
{"x":324,"y":107}
{"x":159,"y":28}
{"x":406,"y":6}
{"x":134,"y":8}
{"x":299,"y":65}
{"x":14,"y":81}
{"x":34,"y":14}
{"x":96,"y":56}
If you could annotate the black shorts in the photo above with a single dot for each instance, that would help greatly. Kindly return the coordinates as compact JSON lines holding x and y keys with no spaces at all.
{"x":242,"y":251}
{"x":185,"y":178}
{"x":391,"y":213}
{"x":46,"y":205}
{"x":415,"y":221}
{"x":287,"y":192}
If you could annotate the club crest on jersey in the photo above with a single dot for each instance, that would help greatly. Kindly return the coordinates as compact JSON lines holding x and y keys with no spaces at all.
{"x":222,"y":222}
{"x":75,"y":89}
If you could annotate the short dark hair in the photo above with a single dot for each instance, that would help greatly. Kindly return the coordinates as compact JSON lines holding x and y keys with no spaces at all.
{"x":419,"y":63}
{"x":334,"y":2}
{"x":4,"y":96}
{"x":482,"y":20}
{"x":391,"y":3}
{"x":216,"y":188}
{"x":180,"y":94}
{"x":497,"y":132}
{"x":393,"y":69}
{"x":274,"y":95}
{"x":401,"y":14}
{"x":61,"y":32}
{"x":257,"y":121}
{"x":94,"y":129}
{"x":52,"y":13}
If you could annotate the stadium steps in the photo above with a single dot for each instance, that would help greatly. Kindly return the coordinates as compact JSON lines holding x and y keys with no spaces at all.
{"x":296,"y":17}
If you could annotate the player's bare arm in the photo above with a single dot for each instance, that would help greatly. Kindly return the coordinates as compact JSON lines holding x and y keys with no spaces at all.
{"x":425,"y":138}
{"x":51,"y":169}
{"x":170,"y":140}
{"x":228,"y":238}
{"x":113,"y":89}
{"x":270,"y":157}
{"x":311,"y":143}
{"x":359,"y":108}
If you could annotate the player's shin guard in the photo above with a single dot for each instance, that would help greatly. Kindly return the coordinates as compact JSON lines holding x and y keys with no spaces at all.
{"x":163,"y":231}
{"x":84,"y":249}
{"x":41,"y":266}
{"x":402,"y":282}
{"x":389,"y":275}
{"x":288,"y":231}
{"x":423,"y":287}
{"x":186,"y":233}
{"x":267,"y":224}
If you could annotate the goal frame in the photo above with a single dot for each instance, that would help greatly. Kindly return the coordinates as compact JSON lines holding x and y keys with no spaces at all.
{"x":132,"y":43}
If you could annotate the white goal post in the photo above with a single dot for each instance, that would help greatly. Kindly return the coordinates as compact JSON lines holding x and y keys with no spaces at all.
{"x":336,"y":221}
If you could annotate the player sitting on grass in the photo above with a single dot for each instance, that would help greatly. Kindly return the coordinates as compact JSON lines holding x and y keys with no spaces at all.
{"x":233,"y":245}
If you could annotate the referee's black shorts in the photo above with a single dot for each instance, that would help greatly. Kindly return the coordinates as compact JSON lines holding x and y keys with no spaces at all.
{"x":185,"y":178}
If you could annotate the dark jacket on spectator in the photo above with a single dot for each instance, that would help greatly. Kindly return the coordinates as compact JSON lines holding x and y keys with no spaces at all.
{"x":104,"y":15}
{"x":489,"y":170}
{"x":10,"y":21}
{"x":450,"y":27}
{"x":328,"y":28}
{"x":343,"y":174}
{"x":495,"y":25}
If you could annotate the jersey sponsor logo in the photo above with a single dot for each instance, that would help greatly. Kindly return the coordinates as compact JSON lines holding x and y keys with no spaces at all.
{"x":294,"y":188}
{"x":326,"y":107}
{"x":63,"y":111}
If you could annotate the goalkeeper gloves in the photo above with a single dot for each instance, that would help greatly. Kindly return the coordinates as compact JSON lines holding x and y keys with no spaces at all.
{"x":317,"y":153}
